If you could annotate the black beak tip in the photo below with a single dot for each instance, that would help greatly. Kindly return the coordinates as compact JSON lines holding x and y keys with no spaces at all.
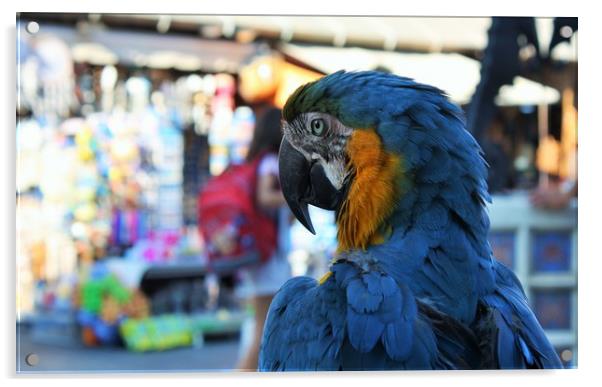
{"x":301,"y":211}
{"x":305,"y":219}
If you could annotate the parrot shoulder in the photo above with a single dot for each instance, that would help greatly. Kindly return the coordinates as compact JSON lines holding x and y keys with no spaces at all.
{"x":304,"y":328}
{"x":389,"y":328}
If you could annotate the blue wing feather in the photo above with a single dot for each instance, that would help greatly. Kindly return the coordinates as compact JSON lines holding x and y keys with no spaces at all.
{"x":521,"y":341}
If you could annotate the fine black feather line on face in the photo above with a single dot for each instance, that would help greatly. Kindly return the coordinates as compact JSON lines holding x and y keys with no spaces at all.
{"x":329,"y":146}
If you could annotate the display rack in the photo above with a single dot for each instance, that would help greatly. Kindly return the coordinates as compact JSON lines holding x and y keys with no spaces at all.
{"x":541,"y":248}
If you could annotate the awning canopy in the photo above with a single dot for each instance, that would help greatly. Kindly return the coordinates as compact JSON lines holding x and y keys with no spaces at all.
{"x":426,"y":34}
{"x":455,"y":74}
{"x":102,"y":46}
{"x":423,"y":34}
{"x":387,"y":32}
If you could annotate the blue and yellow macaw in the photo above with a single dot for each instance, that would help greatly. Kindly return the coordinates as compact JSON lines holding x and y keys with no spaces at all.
{"x":414,"y":284}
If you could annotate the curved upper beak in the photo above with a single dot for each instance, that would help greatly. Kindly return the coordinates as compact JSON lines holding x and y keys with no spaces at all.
{"x":304,"y":182}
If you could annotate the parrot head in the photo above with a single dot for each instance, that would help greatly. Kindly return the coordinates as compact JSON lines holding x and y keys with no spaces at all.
{"x":371,"y":146}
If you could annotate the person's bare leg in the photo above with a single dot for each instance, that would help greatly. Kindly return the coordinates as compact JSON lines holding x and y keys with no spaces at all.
{"x":250,"y":360}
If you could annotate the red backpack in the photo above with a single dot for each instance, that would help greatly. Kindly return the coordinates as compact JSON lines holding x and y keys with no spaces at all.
{"x":236,"y":232}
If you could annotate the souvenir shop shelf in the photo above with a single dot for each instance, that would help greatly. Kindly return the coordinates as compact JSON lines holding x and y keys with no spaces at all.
{"x":541,"y":247}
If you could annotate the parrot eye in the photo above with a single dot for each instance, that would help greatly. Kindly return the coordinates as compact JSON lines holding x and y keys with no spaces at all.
{"x":318,"y":127}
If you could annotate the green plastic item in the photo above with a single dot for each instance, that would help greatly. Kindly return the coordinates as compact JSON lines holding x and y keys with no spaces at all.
{"x":157,"y":333}
{"x":93,"y":291}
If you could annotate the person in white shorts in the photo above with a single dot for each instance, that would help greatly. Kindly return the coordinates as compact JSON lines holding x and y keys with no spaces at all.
{"x":259,"y":284}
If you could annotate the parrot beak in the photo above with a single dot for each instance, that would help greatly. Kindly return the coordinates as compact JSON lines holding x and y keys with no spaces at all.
{"x":303,"y":183}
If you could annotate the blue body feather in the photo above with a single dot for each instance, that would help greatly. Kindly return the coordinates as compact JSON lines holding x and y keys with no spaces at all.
{"x":432,"y":296}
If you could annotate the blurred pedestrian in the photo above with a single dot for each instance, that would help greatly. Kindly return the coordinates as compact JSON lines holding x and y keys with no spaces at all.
{"x":554,"y":197}
{"x":501,"y":63}
{"x":260,"y":283}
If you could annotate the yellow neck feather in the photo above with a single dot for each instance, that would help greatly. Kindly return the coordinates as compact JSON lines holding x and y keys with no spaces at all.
{"x":372,"y":194}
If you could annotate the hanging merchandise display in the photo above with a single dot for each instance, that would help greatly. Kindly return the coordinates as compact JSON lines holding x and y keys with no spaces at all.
{"x":110,"y":195}
{"x":243,"y":123}
{"x":221,"y":125}
{"x":170,"y":164}
{"x":46,"y":84}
